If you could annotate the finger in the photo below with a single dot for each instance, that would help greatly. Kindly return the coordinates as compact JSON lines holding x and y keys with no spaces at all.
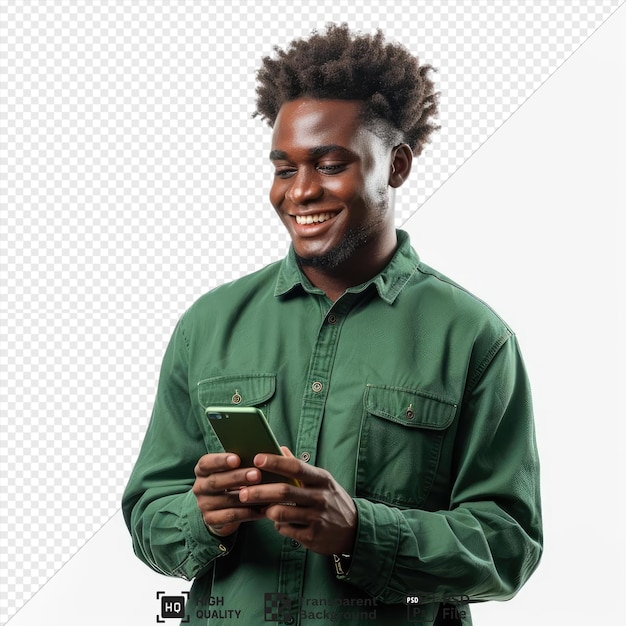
{"x":217,"y":462}
{"x":233,"y":480}
{"x":282,"y":514}
{"x":291,"y":467}
{"x":281,"y":493}
{"x":225,"y":521}
{"x":269,"y":493}
{"x":220,"y":501}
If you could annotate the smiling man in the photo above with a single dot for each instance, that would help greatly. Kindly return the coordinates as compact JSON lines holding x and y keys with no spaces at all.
{"x":401,"y":399}
{"x":331,"y":190}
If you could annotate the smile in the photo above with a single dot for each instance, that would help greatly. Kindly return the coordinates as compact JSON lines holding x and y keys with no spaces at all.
{"x":313,"y":219}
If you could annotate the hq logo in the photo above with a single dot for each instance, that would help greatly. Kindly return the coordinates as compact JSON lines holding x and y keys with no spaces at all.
{"x":277,"y":608}
{"x":172,"y":607}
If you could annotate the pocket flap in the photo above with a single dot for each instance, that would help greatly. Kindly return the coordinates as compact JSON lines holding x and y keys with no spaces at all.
{"x":239,"y":390}
{"x":409,"y":407}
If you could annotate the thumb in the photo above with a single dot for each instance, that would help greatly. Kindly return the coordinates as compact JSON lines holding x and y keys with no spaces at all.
{"x":287,"y":451}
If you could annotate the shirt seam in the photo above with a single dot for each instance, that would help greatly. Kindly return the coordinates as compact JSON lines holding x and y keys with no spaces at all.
{"x":487,"y":359}
{"x":424,"y":269}
{"x":184,"y":334}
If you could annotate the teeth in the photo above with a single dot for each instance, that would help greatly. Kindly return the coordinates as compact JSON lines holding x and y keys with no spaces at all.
{"x":312,"y":219}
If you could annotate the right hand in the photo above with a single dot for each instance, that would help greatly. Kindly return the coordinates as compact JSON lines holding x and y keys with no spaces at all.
{"x":217,"y":484}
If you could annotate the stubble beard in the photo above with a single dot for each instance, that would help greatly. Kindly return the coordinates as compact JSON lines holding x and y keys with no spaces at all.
{"x":353,"y":240}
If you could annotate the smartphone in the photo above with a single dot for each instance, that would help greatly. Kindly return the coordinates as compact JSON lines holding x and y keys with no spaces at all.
{"x":245,"y":431}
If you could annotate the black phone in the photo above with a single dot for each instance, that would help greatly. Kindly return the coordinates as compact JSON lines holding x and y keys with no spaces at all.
{"x":245,"y":432}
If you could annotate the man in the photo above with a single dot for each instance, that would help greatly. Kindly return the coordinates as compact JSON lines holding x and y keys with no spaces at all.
{"x":401,"y":400}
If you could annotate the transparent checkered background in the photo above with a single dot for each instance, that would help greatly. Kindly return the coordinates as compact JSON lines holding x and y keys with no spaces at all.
{"x":134,"y":180}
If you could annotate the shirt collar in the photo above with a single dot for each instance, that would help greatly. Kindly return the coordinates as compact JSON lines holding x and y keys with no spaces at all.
{"x":388,"y":283}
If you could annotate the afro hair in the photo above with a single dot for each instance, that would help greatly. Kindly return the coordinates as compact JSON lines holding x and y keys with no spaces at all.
{"x":389,"y":80}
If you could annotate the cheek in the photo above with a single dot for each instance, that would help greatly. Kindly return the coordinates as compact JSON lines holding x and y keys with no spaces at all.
{"x":376,"y":188}
{"x":277,"y":193}
{"x":345,"y":188}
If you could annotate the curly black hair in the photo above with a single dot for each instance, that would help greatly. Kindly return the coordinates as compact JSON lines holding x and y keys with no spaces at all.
{"x":336,"y":64}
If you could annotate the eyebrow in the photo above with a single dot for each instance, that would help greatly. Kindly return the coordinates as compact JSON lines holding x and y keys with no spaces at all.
{"x":317,"y":151}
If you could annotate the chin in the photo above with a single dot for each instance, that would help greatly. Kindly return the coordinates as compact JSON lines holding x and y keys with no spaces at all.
{"x":337,"y":255}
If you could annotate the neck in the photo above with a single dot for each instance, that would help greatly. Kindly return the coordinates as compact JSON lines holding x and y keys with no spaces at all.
{"x":354,"y":271}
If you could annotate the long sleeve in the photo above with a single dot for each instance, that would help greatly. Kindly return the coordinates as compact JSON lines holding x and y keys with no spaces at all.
{"x":490,"y":540}
{"x":410,"y":392}
{"x":159,"y":508}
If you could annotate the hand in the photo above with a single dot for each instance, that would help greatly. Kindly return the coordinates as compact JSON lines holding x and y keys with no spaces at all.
{"x":320,"y":514}
{"x":218,"y":480}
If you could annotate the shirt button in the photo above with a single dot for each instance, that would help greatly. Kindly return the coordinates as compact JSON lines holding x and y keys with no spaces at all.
{"x":316,"y":386}
{"x":305,"y":456}
{"x":332,"y":318}
{"x":290,"y":620}
{"x":295,"y":544}
{"x":222,"y":548}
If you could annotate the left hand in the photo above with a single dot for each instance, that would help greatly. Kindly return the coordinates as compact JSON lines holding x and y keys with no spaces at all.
{"x":324,"y":517}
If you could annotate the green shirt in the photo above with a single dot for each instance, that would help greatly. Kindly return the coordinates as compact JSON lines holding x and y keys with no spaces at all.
{"x":410,"y":391}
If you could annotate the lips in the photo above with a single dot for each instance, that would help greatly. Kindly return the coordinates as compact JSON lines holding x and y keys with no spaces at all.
{"x":313,"y":218}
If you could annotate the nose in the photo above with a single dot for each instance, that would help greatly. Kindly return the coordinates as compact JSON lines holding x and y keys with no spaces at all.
{"x":304,"y":187}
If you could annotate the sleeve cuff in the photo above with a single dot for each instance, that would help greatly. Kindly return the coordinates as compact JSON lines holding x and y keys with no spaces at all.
{"x":203,"y":546}
{"x":375,"y":547}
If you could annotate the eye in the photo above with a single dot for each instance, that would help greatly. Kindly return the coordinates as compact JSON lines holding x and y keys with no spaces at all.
{"x":331,"y":168}
{"x":284,"y":172}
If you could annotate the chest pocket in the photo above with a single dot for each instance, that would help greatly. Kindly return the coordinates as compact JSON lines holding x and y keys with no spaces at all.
{"x":402,"y":432}
{"x":229,"y":391}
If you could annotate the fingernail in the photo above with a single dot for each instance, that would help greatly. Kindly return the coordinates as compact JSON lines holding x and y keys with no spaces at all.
{"x":259,"y":460}
{"x":243,"y":495}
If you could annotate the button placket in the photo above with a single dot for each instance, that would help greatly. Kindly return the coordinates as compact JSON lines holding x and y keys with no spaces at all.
{"x":319,"y":375}
{"x":314,"y":392}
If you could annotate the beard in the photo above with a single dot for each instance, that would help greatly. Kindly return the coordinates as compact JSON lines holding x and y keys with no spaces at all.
{"x":353,"y":240}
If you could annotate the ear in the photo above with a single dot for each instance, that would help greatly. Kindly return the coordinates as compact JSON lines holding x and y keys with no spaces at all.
{"x":401,"y":161}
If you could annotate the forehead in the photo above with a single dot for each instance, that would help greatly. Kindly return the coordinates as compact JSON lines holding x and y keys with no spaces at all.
{"x":308,"y":122}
